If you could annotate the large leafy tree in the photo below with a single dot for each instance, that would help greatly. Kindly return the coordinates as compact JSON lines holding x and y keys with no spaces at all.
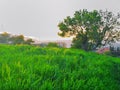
{"x":91,"y":29}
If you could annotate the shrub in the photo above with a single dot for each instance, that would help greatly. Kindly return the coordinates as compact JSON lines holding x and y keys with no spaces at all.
{"x":52,"y":44}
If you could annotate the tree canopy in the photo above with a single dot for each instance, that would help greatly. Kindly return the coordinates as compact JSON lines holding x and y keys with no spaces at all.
{"x":91,"y":29}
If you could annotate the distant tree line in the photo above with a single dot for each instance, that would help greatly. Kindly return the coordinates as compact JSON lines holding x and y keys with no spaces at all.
{"x":53,"y":44}
{"x":6,"y":38}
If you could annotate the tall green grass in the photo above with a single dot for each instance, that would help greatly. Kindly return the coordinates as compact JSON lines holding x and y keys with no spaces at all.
{"x":25,"y":67}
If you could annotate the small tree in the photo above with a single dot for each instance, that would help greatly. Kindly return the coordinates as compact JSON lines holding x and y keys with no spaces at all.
{"x":29,"y":41}
{"x":91,"y":29}
{"x":4,"y":37}
{"x":17,"y":39}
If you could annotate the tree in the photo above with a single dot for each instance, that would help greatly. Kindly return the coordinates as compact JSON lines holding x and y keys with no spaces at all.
{"x":91,"y":29}
{"x":4,"y":37}
{"x":17,"y":39}
{"x":29,"y":41}
{"x":20,"y":39}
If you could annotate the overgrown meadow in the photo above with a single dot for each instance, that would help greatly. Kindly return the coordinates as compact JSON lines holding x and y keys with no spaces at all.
{"x":24,"y":67}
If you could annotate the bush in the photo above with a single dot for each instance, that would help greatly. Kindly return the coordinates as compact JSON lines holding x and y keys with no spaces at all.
{"x":52,"y":44}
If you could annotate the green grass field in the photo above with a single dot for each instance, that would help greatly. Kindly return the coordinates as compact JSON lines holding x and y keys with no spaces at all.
{"x":25,"y":67}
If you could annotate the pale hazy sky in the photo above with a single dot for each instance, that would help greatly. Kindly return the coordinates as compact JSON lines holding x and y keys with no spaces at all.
{"x":39,"y":18}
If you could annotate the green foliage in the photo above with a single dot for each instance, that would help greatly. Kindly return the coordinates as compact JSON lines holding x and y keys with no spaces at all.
{"x":29,"y":41}
{"x":52,"y":44}
{"x":91,"y":29}
{"x":17,"y":39}
{"x":24,"y":67}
